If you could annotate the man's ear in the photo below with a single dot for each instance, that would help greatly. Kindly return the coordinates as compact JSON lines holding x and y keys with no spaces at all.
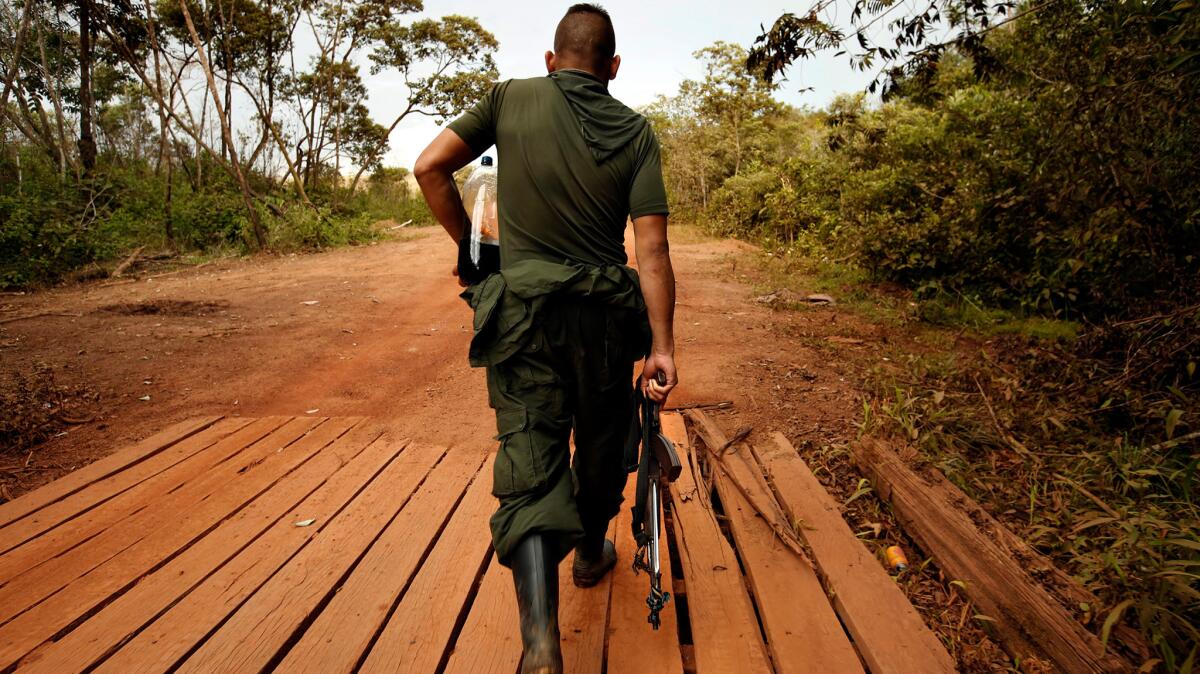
{"x":551,"y":62}
{"x":614,"y":66}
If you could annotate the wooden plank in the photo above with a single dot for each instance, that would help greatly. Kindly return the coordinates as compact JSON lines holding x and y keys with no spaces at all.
{"x":161,"y":645}
{"x":802,"y":629}
{"x":633,"y":646}
{"x":177,"y":528}
{"x":50,"y":575}
{"x":1030,"y":623}
{"x":128,"y":503}
{"x":490,"y":640}
{"x":583,"y":617}
{"x":88,"y":497}
{"x":341,"y":634}
{"x":888,"y":632}
{"x":725,"y":631}
{"x":257,"y":634}
{"x":417,"y":636}
{"x":155,"y":592}
{"x":98,"y":470}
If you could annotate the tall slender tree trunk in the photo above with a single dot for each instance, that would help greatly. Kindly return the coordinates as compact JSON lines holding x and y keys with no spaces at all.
{"x":260,"y":233}
{"x":87,"y":140}
{"x":164,"y":149}
{"x":59,"y":121}
{"x":227,"y":61}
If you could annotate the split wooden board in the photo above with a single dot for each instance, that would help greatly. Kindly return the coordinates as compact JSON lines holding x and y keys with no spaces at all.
{"x":1030,"y":622}
{"x":887,"y":630}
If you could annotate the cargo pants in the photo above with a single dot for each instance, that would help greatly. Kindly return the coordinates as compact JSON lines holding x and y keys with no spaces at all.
{"x":574,"y":374}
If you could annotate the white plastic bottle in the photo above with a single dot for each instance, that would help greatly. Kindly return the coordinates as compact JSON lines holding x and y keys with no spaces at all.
{"x":479,"y":253}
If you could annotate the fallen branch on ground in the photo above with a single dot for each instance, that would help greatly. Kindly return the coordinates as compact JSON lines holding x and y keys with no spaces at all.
{"x":724,"y":404}
{"x":116,"y":273}
{"x":39,"y":315}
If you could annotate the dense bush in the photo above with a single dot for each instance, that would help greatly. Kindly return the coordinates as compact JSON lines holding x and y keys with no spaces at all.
{"x":50,"y":227}
{"x":1062,"y":183}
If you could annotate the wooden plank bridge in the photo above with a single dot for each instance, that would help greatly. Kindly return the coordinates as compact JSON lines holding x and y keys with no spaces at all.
{"x":305,"y":544}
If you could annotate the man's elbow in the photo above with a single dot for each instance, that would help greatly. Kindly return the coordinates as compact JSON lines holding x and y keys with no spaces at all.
{"x":657,"y":250}
{"x":424,"y":168}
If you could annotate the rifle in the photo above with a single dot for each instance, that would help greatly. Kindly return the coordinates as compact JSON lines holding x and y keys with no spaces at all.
{"x":659,"y":464}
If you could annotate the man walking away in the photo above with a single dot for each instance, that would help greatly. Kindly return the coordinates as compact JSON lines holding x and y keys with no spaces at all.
{"x":560,"y":326}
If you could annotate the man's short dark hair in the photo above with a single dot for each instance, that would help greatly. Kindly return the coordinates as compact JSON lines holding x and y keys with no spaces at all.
{"x":585,"y":34}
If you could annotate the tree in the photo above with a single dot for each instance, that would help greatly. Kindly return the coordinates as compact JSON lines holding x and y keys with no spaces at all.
{"x":715,"y":127}
{"x":909,"y":45}
{"x":456,"y":50}
{"x":729,"y":100}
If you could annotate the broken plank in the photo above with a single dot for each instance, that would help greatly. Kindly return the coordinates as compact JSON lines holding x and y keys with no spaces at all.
{"x":99,"y":470}
{"x":84,"y":500}
{"x":255,"y":636}
{"x":725,"y":629}
{"x":345,"y":506}
{"x":306,"y":490}
{"x":40,"y":577}
{"x":888,"y":632}
{"x":168,"y":536}
{"x":417,"y":636}
{"x":802,"y":629}
{"x":633,"y":646}
{"x":490,"y":640}
{"x":1029,"y":622}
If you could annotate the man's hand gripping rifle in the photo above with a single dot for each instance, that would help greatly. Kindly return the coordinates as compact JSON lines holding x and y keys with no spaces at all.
{"x":658,"y":465}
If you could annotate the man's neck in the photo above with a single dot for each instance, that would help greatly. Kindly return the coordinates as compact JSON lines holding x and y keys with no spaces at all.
{"x":583,"y":70}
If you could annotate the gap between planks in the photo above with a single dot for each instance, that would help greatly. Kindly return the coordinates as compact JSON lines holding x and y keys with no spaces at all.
{"x":326,"y":482}
{"x":96,"y":471}
{"x":214,"y":499}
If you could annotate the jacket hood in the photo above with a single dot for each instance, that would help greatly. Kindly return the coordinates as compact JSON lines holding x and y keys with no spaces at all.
{"x":607,"y":124}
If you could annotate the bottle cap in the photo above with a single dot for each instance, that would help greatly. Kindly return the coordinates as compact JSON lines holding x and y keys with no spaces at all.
{"x":486,"y":161}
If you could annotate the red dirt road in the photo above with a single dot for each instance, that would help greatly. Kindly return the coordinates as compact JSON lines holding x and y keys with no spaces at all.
{"x":377,"y":331}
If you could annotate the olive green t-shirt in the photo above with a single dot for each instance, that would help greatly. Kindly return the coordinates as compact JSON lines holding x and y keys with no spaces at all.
{"x":573,"y":164}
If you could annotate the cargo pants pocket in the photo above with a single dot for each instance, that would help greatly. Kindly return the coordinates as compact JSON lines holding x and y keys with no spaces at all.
{"x":532,"y":447}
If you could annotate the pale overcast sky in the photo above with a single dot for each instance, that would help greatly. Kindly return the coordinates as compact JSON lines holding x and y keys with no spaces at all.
{"x":655,"y":41}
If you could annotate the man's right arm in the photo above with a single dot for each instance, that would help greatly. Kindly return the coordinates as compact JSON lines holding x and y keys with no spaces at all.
{"x":658,"y":287}
{"x":434,"y":171}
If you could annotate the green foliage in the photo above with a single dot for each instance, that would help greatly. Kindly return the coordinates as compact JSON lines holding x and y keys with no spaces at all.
{"x":51,"y":229}
{"x":1060,"y":185}
{"x":1088,"y":453}
{"x":1045,"y":200}
{"x":309,"y":229}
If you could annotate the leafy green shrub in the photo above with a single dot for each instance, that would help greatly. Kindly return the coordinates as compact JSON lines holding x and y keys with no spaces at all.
{"x":208,"y":219}
{"x":307,"y":229}
{"x":36,"y":241}
{"x":738,"y":207}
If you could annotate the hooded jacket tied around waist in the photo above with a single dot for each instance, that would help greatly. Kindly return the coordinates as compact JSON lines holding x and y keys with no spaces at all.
{"x":509,"y":305}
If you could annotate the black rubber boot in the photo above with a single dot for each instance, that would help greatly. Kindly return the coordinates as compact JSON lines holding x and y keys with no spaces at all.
{"x":535,"y":574}
{"x":595,"y":556}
